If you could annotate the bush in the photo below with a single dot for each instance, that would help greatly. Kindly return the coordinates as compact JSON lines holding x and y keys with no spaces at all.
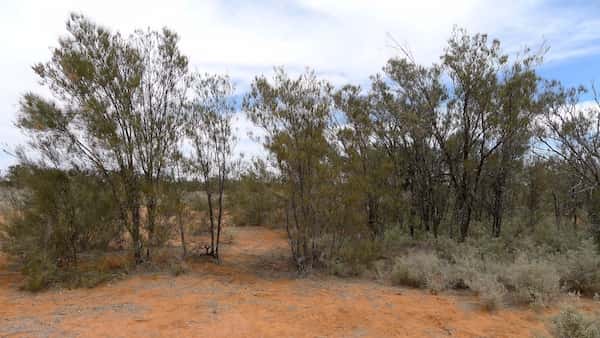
{"x":580,"y":270}
{"x":39,"y":273}
{"x":76,"y":278}
{"x":355,"y":257}
{"x":532,"y":282}
{"x":420,"y":270}
{"x":491,"y":293}
{"x":572,"y":324}
{"x":112,"y":262}
{"x":178,"y":268}
{"x":55,"y":216}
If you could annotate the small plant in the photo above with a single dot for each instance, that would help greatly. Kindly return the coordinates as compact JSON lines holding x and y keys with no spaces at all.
{"x":572,"y":324}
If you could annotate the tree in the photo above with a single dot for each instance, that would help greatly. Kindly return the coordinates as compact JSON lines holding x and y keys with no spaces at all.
{"x":175,"y":196}
{"x":295,"y":115}
{"x":118,"y":102}
{"x":362,"y":162}
{"x":161,"y":102}
{"x":408,"y":102}
{"x":515,"y":101}
{"x":212,"y":144}
{"x":254,"y":196}
{"x":571,"y":132}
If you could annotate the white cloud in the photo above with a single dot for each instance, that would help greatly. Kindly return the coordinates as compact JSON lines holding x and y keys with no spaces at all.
{"x":343,"y":40}
{"x":248,"y":137}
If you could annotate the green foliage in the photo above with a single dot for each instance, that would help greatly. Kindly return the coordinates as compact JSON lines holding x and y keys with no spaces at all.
{"x":58,"y":214}
{"x":40,"y":273}
{"x":294,"y":114}
{"x":355,"y":257}
{"x":254,"y":198}
{"x":430,"y":164}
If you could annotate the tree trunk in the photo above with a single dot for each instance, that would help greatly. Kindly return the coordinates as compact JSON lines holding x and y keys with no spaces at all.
{"x":212,"y":222}
{"x":464,"y":221}
{"x":556,"y":210}
{"x":135,"y":234}
{"x":182,"y":234}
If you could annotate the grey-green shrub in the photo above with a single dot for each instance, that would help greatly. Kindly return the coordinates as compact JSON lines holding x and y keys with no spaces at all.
{"x":572,"y":324}
{"x":580,"y":269}
{"x":420,"y":270}
{"x":491,"y":292}
{"x":533,"y":282}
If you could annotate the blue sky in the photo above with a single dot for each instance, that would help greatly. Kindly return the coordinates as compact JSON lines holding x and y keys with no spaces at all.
{"x":344,"y":41}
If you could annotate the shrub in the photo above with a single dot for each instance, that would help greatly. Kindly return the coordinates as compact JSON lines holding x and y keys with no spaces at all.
{"x":420,"y":270}
{"x":76,"y":278}
{"x":491,"y":293}
{"x":532,"y":282}
{"x":39,"y":273}
{"x":178,"y":268}
{"x":55,"y":215}
{"x":580,"y":270}
{"x":572,"y":324}
{"x":395,"y":239}
{"x":355,"y":257}
{"x":112,"y":263}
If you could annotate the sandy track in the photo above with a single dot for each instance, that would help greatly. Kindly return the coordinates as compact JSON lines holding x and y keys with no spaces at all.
{"x":253,"y":293}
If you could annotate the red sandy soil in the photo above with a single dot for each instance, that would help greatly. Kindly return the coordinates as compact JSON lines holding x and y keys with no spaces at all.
{"x":252,"y":293}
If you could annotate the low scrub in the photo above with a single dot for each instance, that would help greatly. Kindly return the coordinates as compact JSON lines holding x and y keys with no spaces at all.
{"x":42,"y":273}
{"x":491,"y":292}
{"x":178,"y":268}
{"x":533,"y":282}
{"x":580,"y":270}
{"x":420,"y":270}
{"x":355,"y":258}
{"x":573,"y":324}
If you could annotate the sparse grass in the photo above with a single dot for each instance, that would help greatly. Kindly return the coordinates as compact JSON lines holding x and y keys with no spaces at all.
{"x":228,"y":234}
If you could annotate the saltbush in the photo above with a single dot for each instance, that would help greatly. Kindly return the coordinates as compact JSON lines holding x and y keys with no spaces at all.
{"x":580,"y":269}
{"x":420,"y":270}
{"x":572,"y":324}
{"x":533,"y":282}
